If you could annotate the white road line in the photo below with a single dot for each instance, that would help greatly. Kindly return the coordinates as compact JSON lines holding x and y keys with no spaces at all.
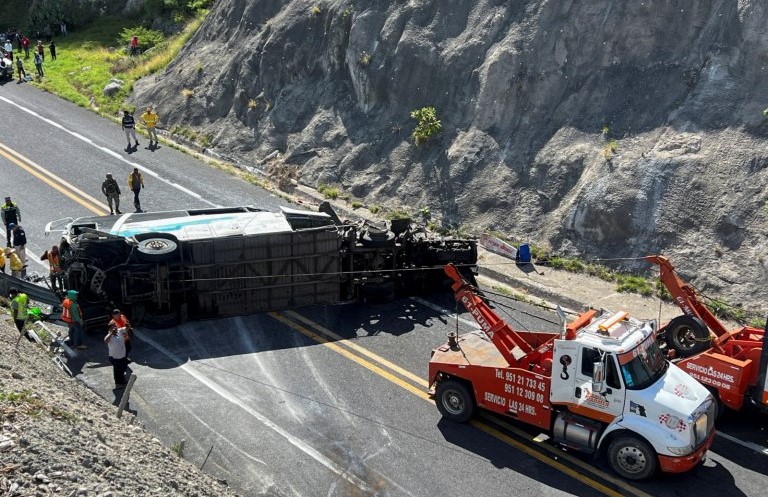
{"x":225,"y":394}
{"x":110,"y":152}
{"x":749,"y":445}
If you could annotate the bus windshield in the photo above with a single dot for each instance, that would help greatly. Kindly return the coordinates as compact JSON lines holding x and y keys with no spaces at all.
{"x":644,"y":365}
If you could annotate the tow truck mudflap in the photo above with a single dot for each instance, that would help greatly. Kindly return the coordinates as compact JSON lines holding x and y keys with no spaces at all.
{"x":674,"y":464}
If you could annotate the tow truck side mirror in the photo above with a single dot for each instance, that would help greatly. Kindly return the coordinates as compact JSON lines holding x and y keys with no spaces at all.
{"x":598,"y":377}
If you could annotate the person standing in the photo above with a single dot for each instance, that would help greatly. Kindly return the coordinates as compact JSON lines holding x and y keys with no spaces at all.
{"x":19,"y":241}
{"x":111,"y":190}
{"x":25,"y":46}
{"x":52,"y":48}
{"x":14,"y":262}
{"x":41,"y":49}
{"x":20,"y":68}
{"x":129,"y":125}
{"x":149,"y":118}
{"x":8,"y":47}
{"x":115,"y":341}
{"x":121,"y":322}
{"x":63,"y":27}
{"x":10,"y":213}
{"x":39,"y":65}
{"x":136,"y":183}
{"x":57,"y":279}
{"x":134,"y":45}
{"x":72,"y":314}
{"x":19,"y":306}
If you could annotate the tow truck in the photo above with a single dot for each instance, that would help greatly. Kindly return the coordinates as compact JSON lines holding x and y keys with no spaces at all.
{"x":599,"y":386}
{"x":732,"y":364}
{"x":161,"y":268}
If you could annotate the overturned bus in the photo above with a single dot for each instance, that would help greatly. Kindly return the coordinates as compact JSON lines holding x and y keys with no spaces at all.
{"x":166,"y":267}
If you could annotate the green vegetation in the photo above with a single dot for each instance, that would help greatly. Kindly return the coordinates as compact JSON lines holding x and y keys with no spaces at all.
{"x":315,"y":10}
{"x":398,"y":213}
{"x":27,"y":402}
{"x":428,"y":124}
{"x":374,"y":209}
{"x":365,"y":59}
{"x":87,"y":60}
{"x":356,"y":204}
{"x":605,"y":131}
{"x":328,"y":192}
{"x":610,"y":149}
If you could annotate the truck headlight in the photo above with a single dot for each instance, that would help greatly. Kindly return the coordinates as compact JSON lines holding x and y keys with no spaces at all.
{"x":681,"y":451}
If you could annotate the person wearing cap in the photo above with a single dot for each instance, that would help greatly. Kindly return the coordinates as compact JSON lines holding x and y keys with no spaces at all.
{"x":115,"y":341}
{"x":149,"y":118}
{"x":19,"y":306}
{"x":10,"y":214}
{"x":121,"y":322}
{"x":15,"y":263}
{"x":129,"y":126}
{"x":111,"y":190}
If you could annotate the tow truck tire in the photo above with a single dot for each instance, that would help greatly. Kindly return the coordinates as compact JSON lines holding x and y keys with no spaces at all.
{"x":454,"y":400}
{"x":632,"y":458}
{"x":157,"y":247}
{"x":687,"y":335}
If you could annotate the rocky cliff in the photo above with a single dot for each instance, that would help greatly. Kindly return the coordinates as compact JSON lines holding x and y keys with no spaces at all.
{"x":606,"y":128}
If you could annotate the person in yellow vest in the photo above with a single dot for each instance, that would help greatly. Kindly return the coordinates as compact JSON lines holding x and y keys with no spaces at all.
{"x":72,"y":314}
{"x":55,"y":274}
{"x":150,"y":119}
{"x":136,"y":183}
{"x":19,"y":306}
{"x":15,"y":262}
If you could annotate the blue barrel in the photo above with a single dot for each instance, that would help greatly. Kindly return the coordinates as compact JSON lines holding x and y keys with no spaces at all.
{"x":523,"y":254}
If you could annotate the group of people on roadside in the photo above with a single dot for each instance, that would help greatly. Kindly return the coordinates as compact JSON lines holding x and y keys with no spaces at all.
{"x":118,"y":338}
{"x":15,"y":253}
{"x":38,"y":57}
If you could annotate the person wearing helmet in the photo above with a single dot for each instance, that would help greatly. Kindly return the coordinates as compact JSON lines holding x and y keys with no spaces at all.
{"x":72,"y":314}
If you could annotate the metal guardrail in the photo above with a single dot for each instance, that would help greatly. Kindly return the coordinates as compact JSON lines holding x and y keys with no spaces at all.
{"x":34,"y":291}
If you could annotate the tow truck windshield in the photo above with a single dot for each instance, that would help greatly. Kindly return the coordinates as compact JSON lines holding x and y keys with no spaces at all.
{"x":646,"y":365}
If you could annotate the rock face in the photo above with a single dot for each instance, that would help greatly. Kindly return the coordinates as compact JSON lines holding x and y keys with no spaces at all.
{"x":602,"y":129}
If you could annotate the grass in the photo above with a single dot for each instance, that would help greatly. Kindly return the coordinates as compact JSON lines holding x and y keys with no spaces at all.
{"x":328,"y":192}
{"x":87,"y":59}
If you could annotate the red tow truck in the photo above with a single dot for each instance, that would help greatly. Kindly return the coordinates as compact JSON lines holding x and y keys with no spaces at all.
{"x":732,"y":364}
{"x":601,"y":386}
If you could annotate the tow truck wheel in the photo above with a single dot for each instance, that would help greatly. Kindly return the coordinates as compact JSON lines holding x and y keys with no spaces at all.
{"x":687,"y":335}
{"x":454,"y":400}
{"x":632,"y":458}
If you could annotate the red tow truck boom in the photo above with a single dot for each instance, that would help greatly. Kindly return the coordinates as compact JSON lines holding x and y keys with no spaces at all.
{"x":733,"y":364}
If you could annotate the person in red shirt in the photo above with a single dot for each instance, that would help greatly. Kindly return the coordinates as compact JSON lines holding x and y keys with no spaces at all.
{"x":25,"y":46}
{"x":120,"y":321}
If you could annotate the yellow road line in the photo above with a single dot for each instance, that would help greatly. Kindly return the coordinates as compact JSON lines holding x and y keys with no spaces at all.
{"x":350,"y":344}
{"x":352,"y":357}
{"x":573,"y":460}
{"x":53,"y":181}
{"x":422,"y":394}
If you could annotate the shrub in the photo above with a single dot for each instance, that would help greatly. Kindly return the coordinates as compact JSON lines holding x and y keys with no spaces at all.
{"x":356,"y":204}
{"x":365,"y":59}
{"x":610,"y":149}
{"x":398,"y":213}
{"x":428,"y":124}
{"x":634,"y":284}
{"x":148,"y":38}
{"x":187,"y":93}
{"x":374,"y":209}
{"x":315,"y":10}
{"x":252,"y":104}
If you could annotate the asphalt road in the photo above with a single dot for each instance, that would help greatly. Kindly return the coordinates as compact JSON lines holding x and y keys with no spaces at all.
{"x":322,"y":401}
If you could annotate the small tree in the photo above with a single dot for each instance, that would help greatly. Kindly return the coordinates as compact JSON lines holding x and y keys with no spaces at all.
{"x":428,"y":124}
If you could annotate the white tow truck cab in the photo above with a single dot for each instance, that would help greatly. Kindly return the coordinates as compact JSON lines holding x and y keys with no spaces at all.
{"x":602,"y":387}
